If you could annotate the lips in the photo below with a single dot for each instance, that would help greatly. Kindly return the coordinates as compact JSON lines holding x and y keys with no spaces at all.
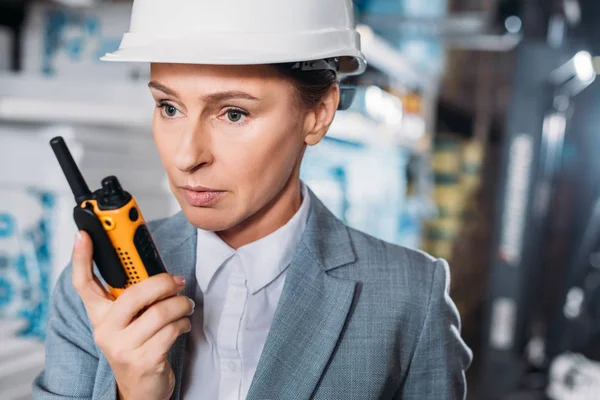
{"x":198,"y":196}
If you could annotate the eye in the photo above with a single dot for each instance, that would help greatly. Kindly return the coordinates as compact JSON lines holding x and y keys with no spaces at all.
{"x":234,"y":115}
{"x":168,"y":110}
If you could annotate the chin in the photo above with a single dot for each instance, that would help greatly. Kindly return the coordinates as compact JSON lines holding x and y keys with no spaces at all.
{"x":208,"y":219}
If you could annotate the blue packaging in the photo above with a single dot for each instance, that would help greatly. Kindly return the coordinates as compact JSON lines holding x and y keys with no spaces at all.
{"x":25,"y":258}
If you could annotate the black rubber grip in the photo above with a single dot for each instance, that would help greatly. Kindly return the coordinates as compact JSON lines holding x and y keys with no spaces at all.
{"x":105,"y":255}
{"x":147,"y":250}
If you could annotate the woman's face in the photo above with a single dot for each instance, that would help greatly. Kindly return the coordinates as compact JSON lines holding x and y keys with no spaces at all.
{"x":229,"y":137}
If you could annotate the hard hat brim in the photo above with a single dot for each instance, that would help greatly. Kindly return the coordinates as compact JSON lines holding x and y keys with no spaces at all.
{"x":227,"y":49}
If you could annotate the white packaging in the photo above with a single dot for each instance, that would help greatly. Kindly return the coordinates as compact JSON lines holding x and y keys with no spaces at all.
{"x":36,"y":205}
{"x":30,"y":201}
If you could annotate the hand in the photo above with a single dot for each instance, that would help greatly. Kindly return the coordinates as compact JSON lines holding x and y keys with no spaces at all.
{"x":135,"y":346}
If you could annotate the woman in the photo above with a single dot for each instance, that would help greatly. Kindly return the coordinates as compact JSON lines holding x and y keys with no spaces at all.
{"x":289,"y":302}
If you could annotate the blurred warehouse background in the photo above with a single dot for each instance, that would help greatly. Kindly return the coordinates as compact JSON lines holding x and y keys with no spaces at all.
{"x":477,"y":125}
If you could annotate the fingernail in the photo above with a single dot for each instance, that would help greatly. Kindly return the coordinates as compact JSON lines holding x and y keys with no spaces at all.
{"x":179,"y":280}
{"x":78,"y":238}
{"x":193,"y":306}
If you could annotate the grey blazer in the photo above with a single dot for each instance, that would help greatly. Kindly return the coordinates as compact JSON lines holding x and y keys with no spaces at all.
{"x":358,"y":319}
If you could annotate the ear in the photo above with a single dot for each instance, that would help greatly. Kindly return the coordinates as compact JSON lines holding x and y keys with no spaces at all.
{"x":319,"y":119}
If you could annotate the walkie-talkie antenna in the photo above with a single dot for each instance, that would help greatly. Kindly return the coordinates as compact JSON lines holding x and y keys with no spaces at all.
{"x":79,"y":187}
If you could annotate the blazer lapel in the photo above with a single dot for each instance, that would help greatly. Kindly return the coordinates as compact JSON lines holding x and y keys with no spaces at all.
{"x":176,"y":241}
{"x":311,"y":313}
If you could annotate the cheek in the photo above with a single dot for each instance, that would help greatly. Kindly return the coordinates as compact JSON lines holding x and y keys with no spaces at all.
{"x":260,"y":162}
{"x":163,"y":153}
{"x":166,"y":152}
{"x":166,"y":145}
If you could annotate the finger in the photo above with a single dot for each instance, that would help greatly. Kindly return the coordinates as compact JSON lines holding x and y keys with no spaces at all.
{"x":157,"y":316}
{"x":160,"y":343}
{"x":106,"y":293}
{"x":141,"y":295}
{"x":85,"y":282}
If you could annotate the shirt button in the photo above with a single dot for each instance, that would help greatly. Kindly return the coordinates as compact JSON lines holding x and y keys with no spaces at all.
{"x":231,"y":366}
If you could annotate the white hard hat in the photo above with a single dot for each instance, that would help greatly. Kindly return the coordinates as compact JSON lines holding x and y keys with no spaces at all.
{"x":242,"y":32}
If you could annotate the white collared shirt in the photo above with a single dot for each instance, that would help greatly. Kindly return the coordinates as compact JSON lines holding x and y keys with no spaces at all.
{"x":236,"y":297}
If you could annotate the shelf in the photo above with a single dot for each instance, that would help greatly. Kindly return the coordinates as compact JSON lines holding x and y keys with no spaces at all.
{"x":381,"y":55}
{"x":35,"y":99}
{"x":357,"y":130}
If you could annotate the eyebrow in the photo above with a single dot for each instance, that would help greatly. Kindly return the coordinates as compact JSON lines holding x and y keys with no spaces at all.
{"x":162,"y":88}
{"x":209,"y":98}
{"x":228,"y":95}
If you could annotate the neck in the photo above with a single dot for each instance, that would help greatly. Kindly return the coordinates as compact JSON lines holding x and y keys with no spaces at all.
{"x":266,"y":221}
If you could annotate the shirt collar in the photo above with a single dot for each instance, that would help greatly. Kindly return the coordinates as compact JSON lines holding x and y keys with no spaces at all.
{"x":211,"y":253}
{"x":263,"y":260}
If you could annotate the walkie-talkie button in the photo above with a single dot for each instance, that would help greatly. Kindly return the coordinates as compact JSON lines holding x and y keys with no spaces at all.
{"x":134,"y":215}
{"x":109,"y":224}
{"x":145,"y":247}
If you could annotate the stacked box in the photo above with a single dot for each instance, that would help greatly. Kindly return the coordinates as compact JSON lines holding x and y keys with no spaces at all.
{"x":69,"y":41}
{"x":441,"y":232}
{"x":457,"y":168}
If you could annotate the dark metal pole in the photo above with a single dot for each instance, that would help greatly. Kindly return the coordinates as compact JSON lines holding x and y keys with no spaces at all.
{"x":510,"y":302}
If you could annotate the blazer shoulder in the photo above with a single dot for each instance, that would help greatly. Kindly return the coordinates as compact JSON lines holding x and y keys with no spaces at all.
{"x":400,"y":264}
{"x":169,"y":227}
{"x":156,"y":225}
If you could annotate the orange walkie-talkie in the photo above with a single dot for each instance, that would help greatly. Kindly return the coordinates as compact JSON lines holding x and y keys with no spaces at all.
{"x":124,"y":250}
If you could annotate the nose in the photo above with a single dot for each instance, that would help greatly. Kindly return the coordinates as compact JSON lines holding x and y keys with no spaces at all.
{"x":193,"y":151}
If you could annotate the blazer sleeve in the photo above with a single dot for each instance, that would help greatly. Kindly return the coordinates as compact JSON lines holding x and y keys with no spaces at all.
{"x":71,"y":353}
{"x":441,"y":357}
